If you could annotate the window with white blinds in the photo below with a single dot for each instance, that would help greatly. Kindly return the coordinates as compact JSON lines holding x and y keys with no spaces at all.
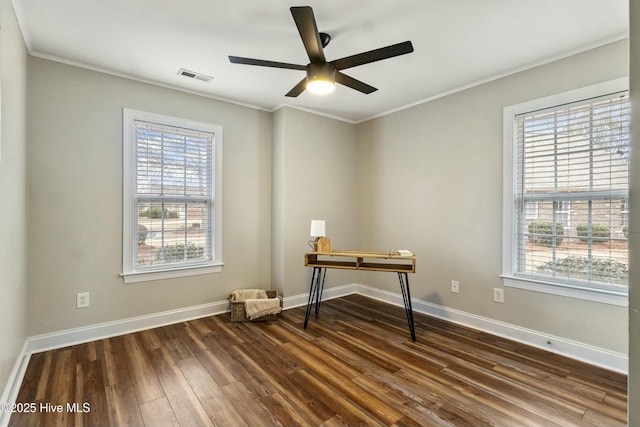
{"x":170,"y":205}
{"x":570,"y":191}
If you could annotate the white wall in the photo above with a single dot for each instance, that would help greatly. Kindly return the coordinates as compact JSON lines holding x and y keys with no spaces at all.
{"x":314,"y":178}
{"x":13,"y":199}
{"x":430,"y":180}
{"x":75,"y":195}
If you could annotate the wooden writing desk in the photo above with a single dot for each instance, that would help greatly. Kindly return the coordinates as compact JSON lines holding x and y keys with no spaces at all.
{"x":360,"y":260}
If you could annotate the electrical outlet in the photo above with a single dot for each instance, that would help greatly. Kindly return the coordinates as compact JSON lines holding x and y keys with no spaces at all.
{"x":498,"y":295}
{"x":82,"y":300}
{"x":455,"y":286}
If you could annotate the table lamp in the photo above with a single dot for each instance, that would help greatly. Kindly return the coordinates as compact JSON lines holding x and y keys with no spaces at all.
{"x":321,"y":242}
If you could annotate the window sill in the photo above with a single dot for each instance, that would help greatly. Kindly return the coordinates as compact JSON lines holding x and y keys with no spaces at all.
{"x":570,"y":291}
{"x":146,"y":276}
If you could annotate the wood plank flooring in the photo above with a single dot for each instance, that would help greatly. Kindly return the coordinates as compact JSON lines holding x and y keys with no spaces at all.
{"x":354,"y":365}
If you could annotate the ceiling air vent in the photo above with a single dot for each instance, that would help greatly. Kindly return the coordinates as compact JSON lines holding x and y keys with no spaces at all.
{"x":194,"y":75}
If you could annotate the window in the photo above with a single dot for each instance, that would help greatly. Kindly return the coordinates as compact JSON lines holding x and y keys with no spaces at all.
{"x":572,"y":161}
{"x":624,"y":216}
{"x":562,"y":209}
{"x":171,"y":225}
{"x":531,"y":209}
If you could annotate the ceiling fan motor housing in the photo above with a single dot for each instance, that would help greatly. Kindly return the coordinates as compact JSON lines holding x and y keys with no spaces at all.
{"x":321,"y":71}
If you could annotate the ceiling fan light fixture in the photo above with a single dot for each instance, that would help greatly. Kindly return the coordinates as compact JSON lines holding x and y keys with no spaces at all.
{"x":320,"y":86}
{"x":321,"y":79}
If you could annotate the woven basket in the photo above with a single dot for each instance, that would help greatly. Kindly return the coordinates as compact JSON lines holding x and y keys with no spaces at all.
{"x":238,"y":314}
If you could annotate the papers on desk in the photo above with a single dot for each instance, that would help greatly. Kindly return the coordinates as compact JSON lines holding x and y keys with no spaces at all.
{"x":404,"y":252}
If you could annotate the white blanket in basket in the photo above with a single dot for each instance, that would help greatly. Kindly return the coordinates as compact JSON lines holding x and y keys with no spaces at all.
{"x":241,"y":295}
{"x":255,"y":308}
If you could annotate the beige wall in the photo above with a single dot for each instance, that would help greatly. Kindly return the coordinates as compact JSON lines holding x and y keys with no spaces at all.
{"x":314,"y":178}
{"x":430,"y":180}
{"x":415,"y":179}
{"x":13,"y":198}
{"x":634,"y":238}
{"x":75,"y":195}
{"x":75,"y":168}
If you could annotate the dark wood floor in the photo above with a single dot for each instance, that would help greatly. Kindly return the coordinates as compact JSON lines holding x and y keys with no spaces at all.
{"x":354,"y":365}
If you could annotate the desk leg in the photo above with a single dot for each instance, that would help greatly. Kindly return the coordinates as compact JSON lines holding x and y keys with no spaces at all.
{"x":315,"y":292}
{"x":319,"y":290}
{"x":406,"y":296}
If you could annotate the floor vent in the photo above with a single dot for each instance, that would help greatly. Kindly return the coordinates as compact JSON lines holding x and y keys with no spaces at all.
{"x":194,"y":75}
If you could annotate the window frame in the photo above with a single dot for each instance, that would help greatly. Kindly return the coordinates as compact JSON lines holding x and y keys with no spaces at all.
{"x":613,"y":297}
{"x":129,"y":237}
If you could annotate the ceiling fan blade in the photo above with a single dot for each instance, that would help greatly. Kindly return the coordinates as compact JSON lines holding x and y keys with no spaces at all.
{"x":263,"y":63}
{"x":306,"y":23}
{"x":354,"y":83}
{"x":373,"y":55}
{"x":298,"y":89}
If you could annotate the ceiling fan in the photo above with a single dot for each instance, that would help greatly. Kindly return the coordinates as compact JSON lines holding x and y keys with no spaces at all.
{"x":322,"y":75}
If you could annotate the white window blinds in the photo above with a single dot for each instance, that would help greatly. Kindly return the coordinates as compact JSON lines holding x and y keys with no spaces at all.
{"x":174,"y":189}
{"x":571,"y":183}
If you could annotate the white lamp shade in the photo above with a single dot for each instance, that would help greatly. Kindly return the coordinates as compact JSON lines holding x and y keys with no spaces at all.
{"x":320,"y":86}
{"x":318,"y":228}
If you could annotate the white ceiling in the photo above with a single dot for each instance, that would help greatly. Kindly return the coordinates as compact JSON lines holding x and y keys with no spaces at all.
{"x":458,"y":43}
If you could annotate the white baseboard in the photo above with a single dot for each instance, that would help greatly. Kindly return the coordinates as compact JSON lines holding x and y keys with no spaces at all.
{"x":11,"y":389}
{"x":594,"y":355}
{"x":120,"y":327}
{"x":576,"y":350}
{"x":327,"y":294}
